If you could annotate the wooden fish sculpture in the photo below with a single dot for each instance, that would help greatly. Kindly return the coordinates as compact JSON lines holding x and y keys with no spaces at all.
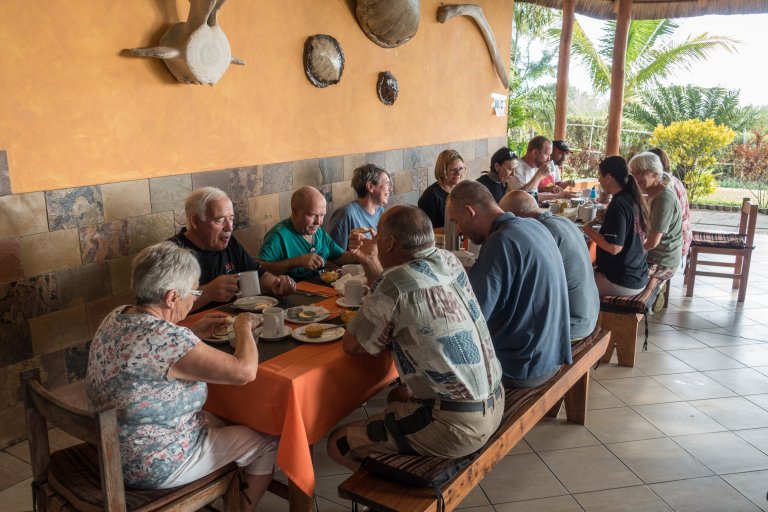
{"x":195,"y":51}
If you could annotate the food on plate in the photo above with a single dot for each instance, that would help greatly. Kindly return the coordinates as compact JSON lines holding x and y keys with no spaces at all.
{"x":348,"y":315}
{"x":329,"y":277}
{"x":313,"y":330}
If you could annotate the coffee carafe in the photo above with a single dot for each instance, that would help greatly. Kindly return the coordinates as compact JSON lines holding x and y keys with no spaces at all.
{"x":451,"y":234}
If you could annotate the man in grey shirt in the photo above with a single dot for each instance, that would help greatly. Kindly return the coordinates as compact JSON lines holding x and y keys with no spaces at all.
{"x":583,"y":299}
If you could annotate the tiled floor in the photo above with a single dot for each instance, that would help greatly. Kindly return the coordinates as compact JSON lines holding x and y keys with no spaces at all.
{"x":685,"y":430}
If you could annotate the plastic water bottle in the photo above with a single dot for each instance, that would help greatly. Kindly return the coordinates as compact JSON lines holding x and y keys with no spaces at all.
{"x":593,"y":195}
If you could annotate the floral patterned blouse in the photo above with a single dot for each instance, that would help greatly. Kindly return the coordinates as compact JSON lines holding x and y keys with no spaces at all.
{"x":160,"y":418}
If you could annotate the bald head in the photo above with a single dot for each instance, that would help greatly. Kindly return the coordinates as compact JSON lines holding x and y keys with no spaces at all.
{"x":520,"y":203}
{"x":472,"y":193}
{"x":305,"y":196}
{"x":409,"y":226}
{"x":308,"y":207}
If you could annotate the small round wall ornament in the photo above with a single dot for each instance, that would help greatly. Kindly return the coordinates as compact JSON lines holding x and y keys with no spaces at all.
{"x":323,"y":60}
{"x":387,"y":88}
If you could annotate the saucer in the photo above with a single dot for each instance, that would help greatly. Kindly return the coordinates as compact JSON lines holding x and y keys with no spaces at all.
{"x":286,"y":332}
{"x":342,"y":301}
{"x":306,"y":314}
{"x":256,"y":303}
{"x":334,"y":332}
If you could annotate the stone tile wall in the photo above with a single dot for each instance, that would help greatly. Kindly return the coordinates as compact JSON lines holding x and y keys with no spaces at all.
{"x":65,"y":255}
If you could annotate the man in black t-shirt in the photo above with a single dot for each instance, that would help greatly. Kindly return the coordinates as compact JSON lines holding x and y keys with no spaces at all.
{"x":210,"y":217}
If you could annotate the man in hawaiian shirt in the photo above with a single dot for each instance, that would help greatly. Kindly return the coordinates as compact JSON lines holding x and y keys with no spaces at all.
{"x":424,"y":311}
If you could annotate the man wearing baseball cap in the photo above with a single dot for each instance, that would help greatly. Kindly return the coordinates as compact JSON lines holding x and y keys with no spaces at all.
{"x":559,"y":151}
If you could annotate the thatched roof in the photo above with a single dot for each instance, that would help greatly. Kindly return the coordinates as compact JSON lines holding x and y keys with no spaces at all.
{"x":659,"y":9}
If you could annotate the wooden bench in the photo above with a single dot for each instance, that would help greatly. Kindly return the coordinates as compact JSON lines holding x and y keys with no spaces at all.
{"x":621,"y":316}
{"x":569,"y":385}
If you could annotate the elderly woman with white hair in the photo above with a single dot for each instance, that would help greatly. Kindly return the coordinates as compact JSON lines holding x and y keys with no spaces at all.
{"x":155,"y":372}
{"x":664,"y":240}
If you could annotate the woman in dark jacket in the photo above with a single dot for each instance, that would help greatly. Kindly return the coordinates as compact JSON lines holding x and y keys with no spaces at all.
{"x":503,"y":163}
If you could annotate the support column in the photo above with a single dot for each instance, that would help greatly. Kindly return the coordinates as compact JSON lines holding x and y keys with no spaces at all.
{"x":616,"y":108}
{"x":563,"y":67}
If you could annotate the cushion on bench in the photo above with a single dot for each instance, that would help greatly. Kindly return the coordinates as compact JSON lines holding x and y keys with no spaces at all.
{"x":434,"y":472}
{"x":721,"y":240}
{"x":640,"y":303}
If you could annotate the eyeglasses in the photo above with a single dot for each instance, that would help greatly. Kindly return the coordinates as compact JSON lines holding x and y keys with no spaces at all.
{"x":196,"y":293}
{"x":456,"y":170}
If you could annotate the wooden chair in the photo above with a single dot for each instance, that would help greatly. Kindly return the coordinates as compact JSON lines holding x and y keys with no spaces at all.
{"x":739,"y":245}
{"x":89,"y":477}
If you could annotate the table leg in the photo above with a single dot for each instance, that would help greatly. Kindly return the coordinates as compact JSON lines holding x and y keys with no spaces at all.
{"x":297,"y":500}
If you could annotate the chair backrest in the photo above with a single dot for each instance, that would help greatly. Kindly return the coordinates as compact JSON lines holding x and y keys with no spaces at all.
{"x":748,"y":221}
{"x":98,"y":428}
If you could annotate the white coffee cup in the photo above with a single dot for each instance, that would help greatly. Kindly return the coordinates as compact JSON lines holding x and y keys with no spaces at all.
{"x":354,"y":290}
{"x":587,"y":213}
{"x":274,"y":322}
{"x":249,"y":283}
{"x":353,"y":270}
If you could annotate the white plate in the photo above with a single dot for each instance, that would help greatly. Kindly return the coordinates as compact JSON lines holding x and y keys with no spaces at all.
{"x":319,"y":312}
{"x":230,"y":334}
{"x":286,"y":332}
{"x":256,"y":303}
{"x":330,"y":335}
{"x":341,"y":301}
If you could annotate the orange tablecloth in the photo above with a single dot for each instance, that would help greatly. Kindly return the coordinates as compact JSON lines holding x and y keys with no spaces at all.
{"x":301,"y":394}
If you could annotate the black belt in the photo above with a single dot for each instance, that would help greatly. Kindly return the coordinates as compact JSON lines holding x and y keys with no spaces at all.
{"x":465,"y":406}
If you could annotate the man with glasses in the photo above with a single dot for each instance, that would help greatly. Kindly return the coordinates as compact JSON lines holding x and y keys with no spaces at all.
{"x":208,"y":234}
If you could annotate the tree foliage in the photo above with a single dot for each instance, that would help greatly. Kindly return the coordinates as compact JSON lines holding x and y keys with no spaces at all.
{"x":750,"y":163}
{"x":651,"y":56}
{"x":531,"y":105}
{"x":665,"y":105}
{"x":693,"y":147}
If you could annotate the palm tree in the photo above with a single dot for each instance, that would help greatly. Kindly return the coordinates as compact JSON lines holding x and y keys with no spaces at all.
{"x":528,"y":99}
{"x":665,"y":105}
{"x":651,"y":55}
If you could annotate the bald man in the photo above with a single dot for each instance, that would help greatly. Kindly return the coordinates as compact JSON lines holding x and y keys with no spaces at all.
{"x":520,"y":285}
{"x":299,"y":247}
{"x":583,"y":299}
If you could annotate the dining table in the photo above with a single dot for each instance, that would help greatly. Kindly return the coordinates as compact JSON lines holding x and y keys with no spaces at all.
{"x":301,"y":391}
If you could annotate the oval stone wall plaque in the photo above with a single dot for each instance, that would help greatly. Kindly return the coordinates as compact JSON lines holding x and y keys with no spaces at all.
{"x":388,"y":23}
{"x":387,"y":88}
{"x":323,"y":60}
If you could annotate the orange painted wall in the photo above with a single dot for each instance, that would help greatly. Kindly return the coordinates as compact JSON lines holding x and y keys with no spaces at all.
{"x":73,"y":111}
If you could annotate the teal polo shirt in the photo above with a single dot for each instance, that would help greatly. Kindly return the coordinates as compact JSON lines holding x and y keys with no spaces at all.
{"x":284,"y":242}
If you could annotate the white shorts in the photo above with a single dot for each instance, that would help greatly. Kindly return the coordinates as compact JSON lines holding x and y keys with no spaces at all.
{"x":223,"y":444}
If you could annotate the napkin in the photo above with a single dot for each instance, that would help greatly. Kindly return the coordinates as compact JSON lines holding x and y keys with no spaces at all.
{"x":342,"y":281}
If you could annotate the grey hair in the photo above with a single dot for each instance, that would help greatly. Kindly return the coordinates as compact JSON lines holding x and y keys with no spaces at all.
{"x":364,"y":174}
{"x":410,"y":226}
{"x":647,"y":161}
{"x":160,"y":268}
{"x":197,"y":202}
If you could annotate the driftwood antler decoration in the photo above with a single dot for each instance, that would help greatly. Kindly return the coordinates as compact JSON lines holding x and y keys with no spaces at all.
{"x":196,"y":51}
{"x":447,"y":12}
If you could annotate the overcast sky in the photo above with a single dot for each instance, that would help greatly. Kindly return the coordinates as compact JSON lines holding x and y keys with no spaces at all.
{"x":744,"y":70}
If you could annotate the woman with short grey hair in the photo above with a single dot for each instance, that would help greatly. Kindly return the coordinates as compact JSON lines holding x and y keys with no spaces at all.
{"x":372,"y":185}
{"x":664,"y":240}
{"x":155,"y":372}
